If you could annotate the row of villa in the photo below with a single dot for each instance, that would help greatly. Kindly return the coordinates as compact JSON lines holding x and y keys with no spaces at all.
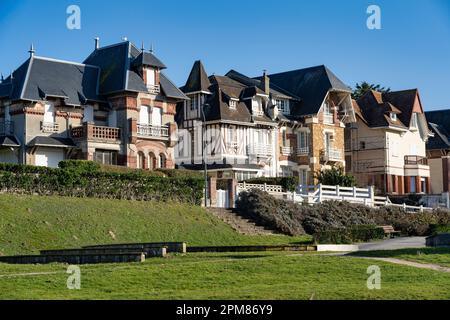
{"x":119,"y":108}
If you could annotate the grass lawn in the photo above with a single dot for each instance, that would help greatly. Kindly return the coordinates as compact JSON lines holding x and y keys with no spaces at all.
{"x":31,"y":223}
{"x":439,"y":256}
{"x":227,"y":276}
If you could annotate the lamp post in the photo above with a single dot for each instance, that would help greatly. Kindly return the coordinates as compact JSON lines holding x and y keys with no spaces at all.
{"x":205,"y":169}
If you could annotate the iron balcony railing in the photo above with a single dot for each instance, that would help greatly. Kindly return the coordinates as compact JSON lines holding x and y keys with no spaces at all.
{"x":49,"y":127}
{"x":287,"y":151}
{"x":303,"y":151}
{"x":331,"y":155}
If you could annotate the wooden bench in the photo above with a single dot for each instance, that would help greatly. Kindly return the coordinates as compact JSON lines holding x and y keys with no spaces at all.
{"x":390,"y":232}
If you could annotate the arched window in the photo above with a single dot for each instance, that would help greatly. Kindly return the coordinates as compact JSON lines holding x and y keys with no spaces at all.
{"x":152,"y":163}
{"x":162,"y":161}
{"x":141,"y":160}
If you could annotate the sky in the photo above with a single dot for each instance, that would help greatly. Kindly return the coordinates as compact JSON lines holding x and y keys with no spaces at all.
{"x":411,"y":50}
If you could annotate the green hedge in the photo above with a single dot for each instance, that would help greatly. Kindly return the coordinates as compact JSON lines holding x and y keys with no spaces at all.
{"x":357,"y":233}
{"x":82,"y":179}
{"x":288,"y":183}
{"x":436,"y":229}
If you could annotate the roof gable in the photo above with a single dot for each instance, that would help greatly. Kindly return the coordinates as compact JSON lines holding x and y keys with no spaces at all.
{"x":198,"y":79}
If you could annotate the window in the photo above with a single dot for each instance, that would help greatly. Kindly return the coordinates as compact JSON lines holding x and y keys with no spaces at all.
{"x":112,"y":118}
{"x":283,"y":105}
{"x":156,"y":117}
{"x":106,"y":157}
{"x":362,"y":145}
{"x":144,"y":116}
{"x":233,"y":104}
{"x":413,"y":187}
{"x":193,"y":103}
{"x":88,"y":114}
{"x":284,"y":138}
{"x":162,"y":161}
{"x":150,"y":77}
{"x":393,"y":116}
{"x":303,"y":140}
{"x":231,"y":135}
{"x":141,"y":160}
{"x":328,"y":116}
{"x":303,"y":177}
{"x":49,"y":113}
{"x":414,"y":121}
{"x":257,"y":107}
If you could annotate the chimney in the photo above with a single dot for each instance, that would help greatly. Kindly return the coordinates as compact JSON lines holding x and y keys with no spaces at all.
{"x":265,"y":83}
{"x":32,"y":51}
{"x":97,"y":43}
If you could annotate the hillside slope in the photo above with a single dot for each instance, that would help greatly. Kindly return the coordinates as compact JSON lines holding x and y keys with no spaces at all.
{"x":30,"y":223}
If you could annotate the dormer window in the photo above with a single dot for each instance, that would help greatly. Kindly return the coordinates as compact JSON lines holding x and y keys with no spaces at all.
{"x":233,"y":104}
{"x":257,"y":107}
{"x":393,"y":116}
{"x":193,"y":103}
{"x":152,"y":86}
{"x":283,"y":105}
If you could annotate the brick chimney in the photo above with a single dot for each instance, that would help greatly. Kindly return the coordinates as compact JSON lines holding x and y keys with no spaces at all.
{"x":265,"y":83}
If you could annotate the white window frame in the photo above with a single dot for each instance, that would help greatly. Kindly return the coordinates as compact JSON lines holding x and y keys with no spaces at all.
{"x":49,"y":113}
{"x":283,"y":105}
{"x":144,"y":115}
{"x":414,"y":121}
{"x":151,"y":76}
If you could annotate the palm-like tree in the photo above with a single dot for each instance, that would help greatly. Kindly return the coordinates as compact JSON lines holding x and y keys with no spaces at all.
{"x":363,"y":87}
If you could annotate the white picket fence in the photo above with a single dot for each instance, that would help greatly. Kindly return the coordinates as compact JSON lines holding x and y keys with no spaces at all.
{"x":320,"y":193}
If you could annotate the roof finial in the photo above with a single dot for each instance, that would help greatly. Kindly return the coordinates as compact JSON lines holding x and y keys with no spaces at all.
{"x":2,"y":79}
{"x":142,"y":47}
{"x":97,"y":42}
{"x":32,"y":51}
{"x":151,"y":48}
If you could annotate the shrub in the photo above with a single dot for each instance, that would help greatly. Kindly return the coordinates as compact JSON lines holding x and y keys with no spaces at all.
{"x":82,"y":180}
{"x":79,"y":166}
{"x":357,"y":233}
{"x":335,"y":176}
{"x":125,"y":170}
{"x":268,"y":211}
{"x":181,"y":173}
{"x":288,"y":183}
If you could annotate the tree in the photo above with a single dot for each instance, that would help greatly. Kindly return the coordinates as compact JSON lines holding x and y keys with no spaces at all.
{"x":335,"y":177}
{"x":363,"y":87}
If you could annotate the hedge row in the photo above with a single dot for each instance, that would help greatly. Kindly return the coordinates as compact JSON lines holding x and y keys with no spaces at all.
{"x":357,"y":233}
{"x":83,"y":179}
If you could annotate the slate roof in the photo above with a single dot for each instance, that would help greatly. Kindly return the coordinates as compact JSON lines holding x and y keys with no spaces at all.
{"x":9,"y":141}
{"x":311,"y":85}
{"x":235,"y":167}
{"x":148,"y":59}
{"x":55,"y":142}
{"x":170,"y":89}
{"x":40,"y":77}
{"x":198,"y":79}
{"x":439,"y":122}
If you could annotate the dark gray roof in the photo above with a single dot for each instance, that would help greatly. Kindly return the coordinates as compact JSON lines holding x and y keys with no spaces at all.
{"x":9,"y":141}
{"x":170,"y":89}
{"x":439,"y":122}
{"x":148,"y":59}
{"x":55,"y":142}
{"x":197,"y":80}
{"x":311,"y":85}
{"x":39,"y":78}
{"x":274,"y":89}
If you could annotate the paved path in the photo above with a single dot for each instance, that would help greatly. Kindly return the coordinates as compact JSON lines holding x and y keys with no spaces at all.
{"x":394,"y":244}
{"x":428,"y":266}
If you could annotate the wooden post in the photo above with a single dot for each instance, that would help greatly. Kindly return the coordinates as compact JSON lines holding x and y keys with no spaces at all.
{"x":354,"y":192}
{"x":338,"y":191}
{"x":265,"y":187}
{"x":320,"y":193}
{"x":404,"y":206}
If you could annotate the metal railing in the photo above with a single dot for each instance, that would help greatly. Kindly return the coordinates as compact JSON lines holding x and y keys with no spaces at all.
{"x":416,"y":160}
{"x":49,"y":127}
{"x":153,"y":88}
{"x":6,"y":128}
{"x":303,"y":151}
{"x":287,"y":151}
{"x":146,"y":130}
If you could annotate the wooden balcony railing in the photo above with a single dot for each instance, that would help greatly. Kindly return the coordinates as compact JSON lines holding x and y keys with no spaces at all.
{"x":416,"y":160}
{"x":260,"y":149}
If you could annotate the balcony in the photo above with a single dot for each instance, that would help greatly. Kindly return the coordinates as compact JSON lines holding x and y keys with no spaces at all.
{"x":260,"y":150}
{"x":232,"y":147}
{"x":95,"y":133}
{"x":303,"y":151}
{"x":153,"y":88}
{"x":150,"y":131}
{"x":416,"y":160}
{"x":287,"y":151}
{"x":49,"y":127}
{"x":328,"y":118}
{"x":6,"y":128}
{"x":331,"y":155}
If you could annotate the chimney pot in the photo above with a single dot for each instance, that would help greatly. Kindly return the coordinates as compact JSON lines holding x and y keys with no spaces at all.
{"x":32,"y":51}
{"x":97,"y":42}
{"x":265,"y":83}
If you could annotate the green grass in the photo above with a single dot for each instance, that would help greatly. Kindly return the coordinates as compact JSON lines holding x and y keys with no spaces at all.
{"x":439,"y":256}
{"x":227,"y":276}
{"x":31,"y":223}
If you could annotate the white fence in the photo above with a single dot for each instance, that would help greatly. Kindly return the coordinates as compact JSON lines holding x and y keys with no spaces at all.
{"x":320,"y":193}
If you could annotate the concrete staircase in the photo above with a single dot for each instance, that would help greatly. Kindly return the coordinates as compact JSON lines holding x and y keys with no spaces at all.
{"x":240,"y":224}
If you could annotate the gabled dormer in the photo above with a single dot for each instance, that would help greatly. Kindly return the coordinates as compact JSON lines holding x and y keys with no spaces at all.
{"x":149,"y":67}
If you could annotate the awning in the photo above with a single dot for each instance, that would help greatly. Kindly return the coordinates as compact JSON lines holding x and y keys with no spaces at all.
{"x":53,"y":142}
{"x":9,"y":141}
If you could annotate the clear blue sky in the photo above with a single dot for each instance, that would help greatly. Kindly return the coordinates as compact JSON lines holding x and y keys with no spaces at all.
{"x":411,"y":51}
